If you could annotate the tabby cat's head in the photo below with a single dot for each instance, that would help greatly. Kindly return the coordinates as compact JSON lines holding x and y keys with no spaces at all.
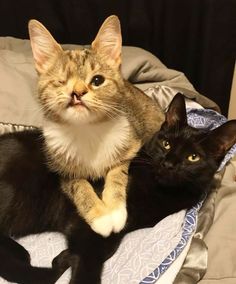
{"x":183,"y":154}
{"x":78,"y":86}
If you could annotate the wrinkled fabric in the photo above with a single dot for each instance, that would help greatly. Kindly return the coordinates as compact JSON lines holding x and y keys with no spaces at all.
{"x":8,"y":127}
{"x":19,"y":79}
{"x":216,"y":232}
{"x":195,"y":263}
{"x":217,"y":216}
{"x":221,"y":238}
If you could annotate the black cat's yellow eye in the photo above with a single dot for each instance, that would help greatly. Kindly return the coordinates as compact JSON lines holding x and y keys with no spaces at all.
{"x":166,"y":144}
{"x":193,"y":158}
{"x":97,"y":80}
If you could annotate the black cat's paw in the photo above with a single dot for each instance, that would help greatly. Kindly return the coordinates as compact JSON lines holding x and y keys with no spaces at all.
{"x":14,"y":249}
{"x":23,"y":255}
{"x":63,"y":261}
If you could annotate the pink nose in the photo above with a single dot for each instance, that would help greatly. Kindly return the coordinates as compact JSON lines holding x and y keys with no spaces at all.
{"x":78,"y":94}
{"x":76,"y":98}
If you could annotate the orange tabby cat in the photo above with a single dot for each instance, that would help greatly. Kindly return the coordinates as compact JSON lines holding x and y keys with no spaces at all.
{"x":95,"y":121}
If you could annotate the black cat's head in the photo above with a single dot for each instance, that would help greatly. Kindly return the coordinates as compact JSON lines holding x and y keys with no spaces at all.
{"x":181,"y":154}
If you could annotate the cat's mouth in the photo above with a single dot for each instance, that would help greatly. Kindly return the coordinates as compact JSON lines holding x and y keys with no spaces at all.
{"x":166,"y":176}
{"x":76,"y":101}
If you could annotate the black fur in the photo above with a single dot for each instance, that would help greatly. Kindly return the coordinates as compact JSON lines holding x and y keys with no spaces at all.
{"x":161,"y":182}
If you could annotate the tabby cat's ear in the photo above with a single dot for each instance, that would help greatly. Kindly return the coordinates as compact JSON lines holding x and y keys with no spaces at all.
{"x":44,"y":46}
{"x":108,"y":41}
{"x":221,"y":139}
{"x":176,"y":113}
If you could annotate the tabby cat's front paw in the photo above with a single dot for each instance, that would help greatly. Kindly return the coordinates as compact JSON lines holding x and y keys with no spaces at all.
{"x":103,"y":225}
{"x":112,"y":222}
{"x":119,"y":217}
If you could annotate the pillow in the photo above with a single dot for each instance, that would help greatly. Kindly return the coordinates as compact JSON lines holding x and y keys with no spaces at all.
{"x":18,"y":84}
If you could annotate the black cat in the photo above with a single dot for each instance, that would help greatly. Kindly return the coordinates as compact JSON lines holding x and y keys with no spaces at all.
{"x":173,"y":171}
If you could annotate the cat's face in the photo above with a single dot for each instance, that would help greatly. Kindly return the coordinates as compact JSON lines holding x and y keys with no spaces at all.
{"x":180,"y":154}
{"x":79,"y":86}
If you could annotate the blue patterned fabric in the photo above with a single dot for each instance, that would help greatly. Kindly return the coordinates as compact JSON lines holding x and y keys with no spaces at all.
{"x":204,"y":119}
{"x":190,"y":223}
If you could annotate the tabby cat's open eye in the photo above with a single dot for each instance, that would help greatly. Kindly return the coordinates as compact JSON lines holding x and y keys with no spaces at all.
{"x":166,"y":144}
{"x":97,"y":80}
{"x":194,"y":158}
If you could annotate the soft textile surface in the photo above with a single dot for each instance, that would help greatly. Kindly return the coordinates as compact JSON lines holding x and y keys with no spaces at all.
{"x":211,"y":255}
{"x":18,"y":79}
{"x":147,"y":251}
{"x":221,"y":238}
{"x":145,"y":254}
{"x":216,"y":231}
{"x":139,"y":254}
{"x":141,"y":251}
{"x":17,"y":105}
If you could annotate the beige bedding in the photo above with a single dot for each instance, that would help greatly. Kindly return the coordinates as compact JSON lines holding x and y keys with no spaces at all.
{"x":217,"y":221}
{"x":221,"y":238}
{"x":217,"y":228}
{"x":18,"y":79}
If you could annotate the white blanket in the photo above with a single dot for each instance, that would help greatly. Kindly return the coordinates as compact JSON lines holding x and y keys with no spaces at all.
{"x":139,"y":254}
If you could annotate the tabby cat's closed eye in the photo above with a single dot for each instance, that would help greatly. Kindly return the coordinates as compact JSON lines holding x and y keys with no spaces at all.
{"x":61,"y":82}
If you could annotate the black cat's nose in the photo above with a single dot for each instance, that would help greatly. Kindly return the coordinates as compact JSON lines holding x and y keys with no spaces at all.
{"x":167,"y":164}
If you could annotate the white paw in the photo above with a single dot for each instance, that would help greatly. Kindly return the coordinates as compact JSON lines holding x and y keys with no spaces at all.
{"x":119,"y":217}
{"x":103,"y":225}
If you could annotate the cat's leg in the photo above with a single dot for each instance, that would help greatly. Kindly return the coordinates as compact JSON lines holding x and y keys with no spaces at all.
{"x":88,"y":252}
{"x":15,"y":265}
{"x":14,"y":248}
{"x":90,"y":207}
{"x":87,"y":272}
{"x":83,"y":269}
{"x":114,"y":195}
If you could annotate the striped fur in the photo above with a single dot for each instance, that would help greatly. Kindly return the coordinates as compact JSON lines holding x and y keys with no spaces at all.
{"x":92,"y":130}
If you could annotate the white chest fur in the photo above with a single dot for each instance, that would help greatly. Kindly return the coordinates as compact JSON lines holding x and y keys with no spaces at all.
{"x":93,"y":147}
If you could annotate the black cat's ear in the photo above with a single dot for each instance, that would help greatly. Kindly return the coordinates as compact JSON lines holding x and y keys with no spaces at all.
{"x":176,"y":113}
{"x":221,"y":139}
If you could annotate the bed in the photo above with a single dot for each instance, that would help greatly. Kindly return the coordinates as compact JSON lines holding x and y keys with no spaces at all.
{"x":201,"y":242}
